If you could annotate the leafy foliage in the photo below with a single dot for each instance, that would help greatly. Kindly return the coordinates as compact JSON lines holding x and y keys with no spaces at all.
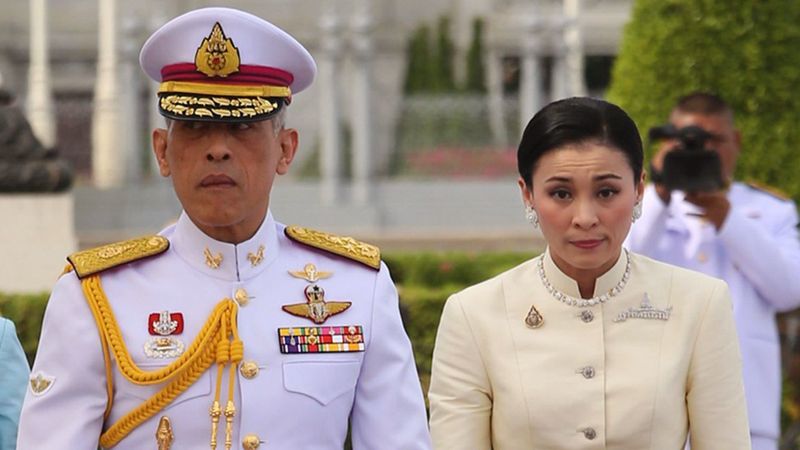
{"x":743,"y":50}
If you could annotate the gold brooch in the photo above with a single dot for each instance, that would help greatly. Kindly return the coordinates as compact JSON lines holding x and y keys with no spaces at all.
{"x":534,"y":318}
{"x":256,"y":258}
{"x":212,"y":261}
{"x":217,"y":56}
{"x":316,"y":308}
{"x":310,"y":273}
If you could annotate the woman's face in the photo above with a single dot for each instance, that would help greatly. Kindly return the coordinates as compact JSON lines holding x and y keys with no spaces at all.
{"x":584,"y":195}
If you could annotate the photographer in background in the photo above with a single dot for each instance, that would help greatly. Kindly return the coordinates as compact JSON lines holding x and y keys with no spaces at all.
{"x":695,"y":216}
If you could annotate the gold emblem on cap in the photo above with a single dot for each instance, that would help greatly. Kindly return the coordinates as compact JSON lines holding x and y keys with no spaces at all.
{"x":217,"y":56}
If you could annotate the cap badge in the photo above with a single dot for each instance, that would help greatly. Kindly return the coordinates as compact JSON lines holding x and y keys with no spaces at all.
{"x":310,"y":273}
{"x":316,"y":308}
{"x":217,"y":56}
{"x":165,"y":323}
{"x":41,"y":383}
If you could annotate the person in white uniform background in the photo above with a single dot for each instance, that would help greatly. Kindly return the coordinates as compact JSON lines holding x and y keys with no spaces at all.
{"x":587,"y":346}
{"x":227,"y":329}
{"x":738,"y":232}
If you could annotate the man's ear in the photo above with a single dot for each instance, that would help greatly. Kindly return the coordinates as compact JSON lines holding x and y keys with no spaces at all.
{"x":160,"y":151}
{"x":287,"y":139}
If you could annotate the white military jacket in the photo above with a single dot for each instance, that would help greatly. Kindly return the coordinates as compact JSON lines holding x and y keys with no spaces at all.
{"x":757,"y":252}
{"x":634,"y":372}
{"x":284,"y":399}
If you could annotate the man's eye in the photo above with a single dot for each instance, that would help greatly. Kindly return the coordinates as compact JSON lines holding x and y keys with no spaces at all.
{"x":242,"y":126}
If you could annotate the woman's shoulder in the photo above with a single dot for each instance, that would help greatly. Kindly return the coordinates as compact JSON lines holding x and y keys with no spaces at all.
{"x":679,"y":282}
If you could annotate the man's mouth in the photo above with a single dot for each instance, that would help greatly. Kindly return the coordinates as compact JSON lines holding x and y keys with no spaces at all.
{"x":217,"y":180}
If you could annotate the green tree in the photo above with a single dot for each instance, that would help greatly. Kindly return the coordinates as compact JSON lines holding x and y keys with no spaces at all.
{"x":743,"y":50}
{"x":420,"y":65}
{"x":476,"y":74}
{"x":445,"y":54}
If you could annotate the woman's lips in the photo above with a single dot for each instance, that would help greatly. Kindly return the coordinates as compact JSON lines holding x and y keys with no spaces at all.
{"x":587,"y":243}
{"x":217,"y":181}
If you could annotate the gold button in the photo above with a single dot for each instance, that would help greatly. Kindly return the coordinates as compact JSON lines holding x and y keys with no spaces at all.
{"x":241,"y":297}
{"x":251,"y":442}
{"x":248,"y":369}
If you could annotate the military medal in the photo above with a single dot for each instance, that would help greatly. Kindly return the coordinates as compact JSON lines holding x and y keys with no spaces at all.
{"x":333,"y":339}
{"x":163,"y":325}
{"x":310,"y":273}
{"x":316,"y":308}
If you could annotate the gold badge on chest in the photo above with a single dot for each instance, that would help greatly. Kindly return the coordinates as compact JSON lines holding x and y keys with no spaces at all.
{"x":316,"y":308}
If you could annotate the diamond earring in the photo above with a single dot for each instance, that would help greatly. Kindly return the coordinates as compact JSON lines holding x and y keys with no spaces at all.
{"x":637,"y":211}
{"x":532,"y":217}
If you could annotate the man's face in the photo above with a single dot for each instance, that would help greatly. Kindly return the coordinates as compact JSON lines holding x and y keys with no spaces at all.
{"x":223,"y":172}
{"x":725,"y":140}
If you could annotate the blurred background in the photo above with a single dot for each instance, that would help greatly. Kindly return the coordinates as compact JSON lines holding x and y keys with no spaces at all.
{"x":407,"y":137}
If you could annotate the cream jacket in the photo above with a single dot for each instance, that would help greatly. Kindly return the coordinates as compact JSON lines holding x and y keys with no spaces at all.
{"x":584,"y":380}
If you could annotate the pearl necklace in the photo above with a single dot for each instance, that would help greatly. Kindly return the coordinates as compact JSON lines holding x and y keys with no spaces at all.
{"x":584,"y":302}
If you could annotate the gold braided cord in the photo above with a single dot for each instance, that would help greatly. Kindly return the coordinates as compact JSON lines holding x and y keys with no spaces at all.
{"x":209,"y":346}
{"x":106,"y":361}
{"x":93,"y":290}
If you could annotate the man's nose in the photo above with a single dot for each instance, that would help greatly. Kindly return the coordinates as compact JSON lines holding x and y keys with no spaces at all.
{"x":218,"y":148}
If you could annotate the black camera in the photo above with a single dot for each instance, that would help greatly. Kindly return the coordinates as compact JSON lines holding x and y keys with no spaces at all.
{"x":690,"y":167}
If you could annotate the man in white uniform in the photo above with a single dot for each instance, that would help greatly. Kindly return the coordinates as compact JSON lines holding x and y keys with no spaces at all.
{"x":742,"y":234}
{"x":227,"y":329}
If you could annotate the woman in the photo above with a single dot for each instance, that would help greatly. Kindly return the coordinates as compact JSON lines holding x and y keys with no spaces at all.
{"x":587,"y":345}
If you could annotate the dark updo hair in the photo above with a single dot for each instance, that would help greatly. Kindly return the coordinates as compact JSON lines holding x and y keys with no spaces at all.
{"x":579,"y":120}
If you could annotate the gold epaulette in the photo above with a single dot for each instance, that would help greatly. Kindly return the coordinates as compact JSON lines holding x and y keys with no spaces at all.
{"x":96,"y":260}
{"x":366,"y":254}
{"x":773,"y":191}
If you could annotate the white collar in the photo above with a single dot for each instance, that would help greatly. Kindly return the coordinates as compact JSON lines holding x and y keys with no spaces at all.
{"x":568,"y":286}
{"x":233,"y":262}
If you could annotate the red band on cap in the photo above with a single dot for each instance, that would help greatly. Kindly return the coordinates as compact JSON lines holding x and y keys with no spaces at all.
{"x":247,"y":74}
